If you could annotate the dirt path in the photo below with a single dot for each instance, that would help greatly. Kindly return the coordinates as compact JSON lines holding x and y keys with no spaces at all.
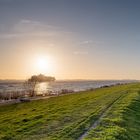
{"x":98,"y":121}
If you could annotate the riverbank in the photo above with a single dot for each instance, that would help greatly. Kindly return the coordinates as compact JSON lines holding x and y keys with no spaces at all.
{"x":24,"y":97}
{"x":74,"y":116}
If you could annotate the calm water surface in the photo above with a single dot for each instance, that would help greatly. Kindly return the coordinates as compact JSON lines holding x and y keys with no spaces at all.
{"x":58,"y":85}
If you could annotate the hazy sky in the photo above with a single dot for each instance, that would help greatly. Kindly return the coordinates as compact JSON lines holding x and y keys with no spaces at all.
{"x":78,"y":39}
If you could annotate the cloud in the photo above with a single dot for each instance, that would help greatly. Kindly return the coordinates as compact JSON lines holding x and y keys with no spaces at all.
{"x":81,"y":52}
{"x":7,"y":36}
{"x":26,"y":25}
{"x":32,"y":29}
{"x":86,"y":42}
{"x":89,"y":43}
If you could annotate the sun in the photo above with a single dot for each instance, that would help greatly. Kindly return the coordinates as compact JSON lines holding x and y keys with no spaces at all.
{"x":42,"y":64}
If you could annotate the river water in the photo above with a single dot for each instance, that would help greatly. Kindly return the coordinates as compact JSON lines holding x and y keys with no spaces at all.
{"x":57,"y":86}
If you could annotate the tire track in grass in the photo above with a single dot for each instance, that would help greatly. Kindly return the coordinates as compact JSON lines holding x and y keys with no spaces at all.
{"x":103,"y":113}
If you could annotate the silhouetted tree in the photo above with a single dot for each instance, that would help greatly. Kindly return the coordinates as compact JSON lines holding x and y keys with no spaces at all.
{"x":31,"y":83}
{"x":41,"y":78}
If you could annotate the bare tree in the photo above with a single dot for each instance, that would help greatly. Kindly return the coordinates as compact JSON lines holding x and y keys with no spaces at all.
{"x":30,"y":87}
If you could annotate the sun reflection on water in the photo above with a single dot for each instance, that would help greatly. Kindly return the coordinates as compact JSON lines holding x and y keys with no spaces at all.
{"x":42,"y":88}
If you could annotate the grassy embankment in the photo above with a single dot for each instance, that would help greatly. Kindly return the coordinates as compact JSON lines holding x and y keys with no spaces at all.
{"x":68,"y":117}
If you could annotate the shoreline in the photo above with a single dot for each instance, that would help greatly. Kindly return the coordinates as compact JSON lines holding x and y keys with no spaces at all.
{"x":38,"y":97}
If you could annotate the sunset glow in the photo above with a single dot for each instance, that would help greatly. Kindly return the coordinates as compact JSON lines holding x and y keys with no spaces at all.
{"x":76,"y":45}
{"x":42,"y":64}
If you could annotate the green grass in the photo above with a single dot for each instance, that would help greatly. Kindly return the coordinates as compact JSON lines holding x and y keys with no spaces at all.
{"x":122,"y":121}
{"x":68,"y":117}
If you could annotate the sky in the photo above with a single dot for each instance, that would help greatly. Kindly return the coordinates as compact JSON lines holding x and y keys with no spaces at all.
{"x":70,"y":39}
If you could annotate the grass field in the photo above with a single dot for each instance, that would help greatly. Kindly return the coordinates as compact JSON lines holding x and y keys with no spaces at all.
{"x":115,"y":110}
